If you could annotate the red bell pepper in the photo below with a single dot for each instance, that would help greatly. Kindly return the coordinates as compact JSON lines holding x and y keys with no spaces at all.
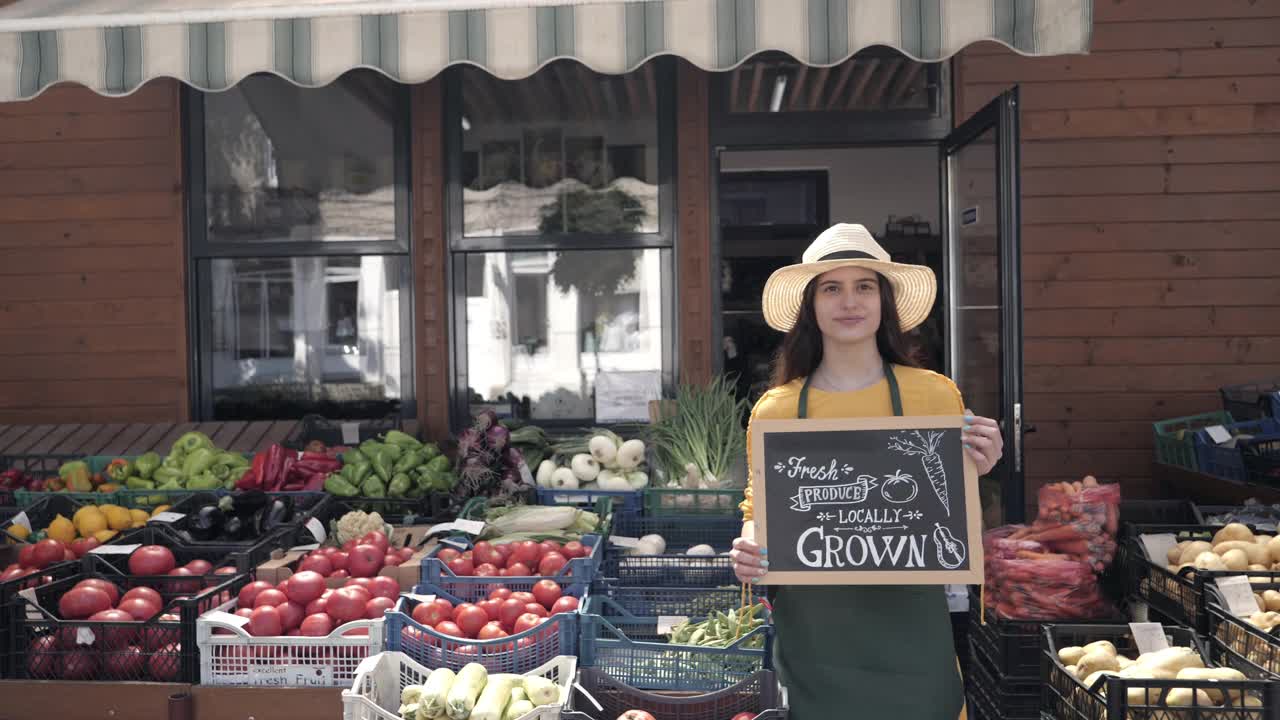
{"x":249,"y":480}
{"x":286,"y":465}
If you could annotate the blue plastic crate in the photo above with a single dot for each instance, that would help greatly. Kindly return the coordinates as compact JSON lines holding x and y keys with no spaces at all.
{"x":1229,"y":462}
{"x":674,"y":568}
{"x":1252,"y":400}
{"x":624,"y":501}
{"x":518,"y":653}
{"x":620,"y":636}
{"x":577,"y":575}
{"x":1175,"y":438}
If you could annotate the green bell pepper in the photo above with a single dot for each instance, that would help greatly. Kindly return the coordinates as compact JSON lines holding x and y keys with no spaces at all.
{"x":164,"y":475}
{"x":400,"y":485}
{"x":204,"y":481}
{"x":335,"y":484}
{"x":231,"y":459}
{"x":146,"y":465}
{"x":198,"y":461}
{"x":384,"y":465}
{"x":439,"y":462}
{"x":192,"y":441}
{"x":409,"y":461}
{"x":136,"y":483}
{"x":119,"y":470}
{"x":430,"y":451}
{"x":360,"y":473}
{"x":404,"y":440}
{"x":172,"y":484}
{"x":222,"y":472}
{"x":370,"y":448}
{"x":373,"y":487}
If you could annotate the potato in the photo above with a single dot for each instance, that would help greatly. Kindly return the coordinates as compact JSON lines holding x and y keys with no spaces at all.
{"x":1091,"y":678}
{"x":1171,"y":659}
{"x":1071,"y":655}
{"x":1124,"y":662}
{"x":1256,"y":567}
{"x":1097,"y":660}
{"x":1261,"y":539}
{"x":1273,"y":548}
{"x":1183,"y":697}
{"x":1233,"y":531}
{"x":1235,"y":560}
{"x":1175,"y":553}
{"x":1102,"y":645}
{"x":1262,"y":604}
{"x":1272,"y":599}
{"x":1193,"y":549}
{"x":1141,"y":696}
{"x":1218,"y":673}
{"x":1211,"y":561}
{"x":1257,"y":553}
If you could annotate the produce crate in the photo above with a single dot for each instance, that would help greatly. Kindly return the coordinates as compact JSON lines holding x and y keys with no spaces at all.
{"x":427,"y":510}
{"x":1157,"y":512}
{"x":9,"y":593}
{"x":1066,"y":698}
{"x":518,"y":653}
{"x":34,"y":618}
{"x":1229,"y":462}
{"x":1181,"y":451}
{"x":609,"y":698}
{"x":38,"y":465}
{"x":673,"y":568}
{"x":40,"y":514}
{"x":679,"y":501}
{"x":27,"y":498}
{"x":1265,"y":518}
{"x":1000,"y":696}
{"x":1252,"y":400}
{"x":620,"y":636}
{"x":121,"y":548}
{"x":628,"y":502}
{"x":577,"y":575}
{"x":375,"y":694}
{"x":337,"y":432}
{"x":229,"y":655}
{"x":1235,"y":643}
{"x":304,"y":506}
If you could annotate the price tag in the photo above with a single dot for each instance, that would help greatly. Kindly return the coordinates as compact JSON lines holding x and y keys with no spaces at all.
{"x":226,"y":617}
{"x":421,"y":598}
{"x":114,"y":549}
{"x":1218,"y":434}
{"x":471,"y":527}
{"x":21,"y":519}
{"x":317,"y":529}
{"x":623,"y":541}
{"x":1237,"y":593}
{"x":167,"y":517}
{"x":667,"y":622}
{"x":1158,"y":547}
{"x":291,"y":675}
{"x":350,"y":433}
{"x":85,"y":636}
{"x":1149,"y":636}
{"x":456,"y":544}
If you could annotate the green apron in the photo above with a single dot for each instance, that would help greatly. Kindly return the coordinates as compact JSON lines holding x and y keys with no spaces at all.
{"x":866,"y":652}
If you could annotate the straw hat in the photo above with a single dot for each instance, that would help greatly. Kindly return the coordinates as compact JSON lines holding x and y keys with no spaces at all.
{"x":844,"y":245}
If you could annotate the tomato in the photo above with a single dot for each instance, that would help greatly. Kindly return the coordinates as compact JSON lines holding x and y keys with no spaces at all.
{"x":377,"y":539}
{"x":250,"y":592}
{"x":82,"y":546}
{"x":744,"y":716}
{"x":306,"y":586}
{"x":105,"y":586}
{"x":165,"y":663}
{"x":79,"y":665}
{"x":365,"y":561}
{"x":15,"y":573}
{"x":166,"y":632}
{"x":151,"y":560}
{"x":470,"y":618}
{"x":527,"y":552}
{"x":405,"y":553}
{"x":227,"y":570}
{"x":184,"y":586}
{"x":535,"y":609}
{"x":272,"y":597}
{"x":383,"y":586}
{"x":317,"y":625}
{"x":350,"y":545}
{"x":319,"y":564}
{"x":340,"y":560}
{"x":339,"y":574}
{"x":138,"y":607}
{"x":391,"y":560}
{"x":450,"y":628}
{"x":445,"y":604}
{"x":265,"y":621}
{"x":552,"y":563}
{"x":447,"y":554}
{"x":574,"y":549}
{"x":82,"y":601}
{"x":566,"y":603}
{"x":374,"y":609}
{"x":484,"y":553}
{"x":508,"y":611}
{"x":127,"y":663}
{"x":546,"y":593}
{"x":518,"y":569}
{"x":347,"y":604}
{"x":505,"y":549}
{"x":430,"y":614}
{"x":635,"y":715}
{"x":491,"y":631}
{"x":524,"y":597}
{"x":113,"y":638}
{"x":42,"y":658}
{"x":200,"y":567}
{"x":316,"y":606}
{"x":244,"y":612}
{"x":486,"y":570}
{"x":462,"y":567}
{"x":291,"y":614}
{"x":46,"y":553}
{"x":526,"y":621}
{"x":549,"y":546}
{"x":500,"y":593}
{"x":490,"y":607}
{"x":145,"y":593}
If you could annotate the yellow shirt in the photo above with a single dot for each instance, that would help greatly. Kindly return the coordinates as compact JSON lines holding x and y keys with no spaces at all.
{"x":923,"y":393}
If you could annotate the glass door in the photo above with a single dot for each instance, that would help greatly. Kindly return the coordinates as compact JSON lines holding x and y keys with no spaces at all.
{"x":983,"y":286}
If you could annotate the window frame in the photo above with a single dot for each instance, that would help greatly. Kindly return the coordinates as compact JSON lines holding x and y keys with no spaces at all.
{"x":459,"y":246}
{"x":201,"y":251}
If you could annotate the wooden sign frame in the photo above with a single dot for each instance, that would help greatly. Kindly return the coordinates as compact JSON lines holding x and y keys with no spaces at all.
{"x":760,"y":509}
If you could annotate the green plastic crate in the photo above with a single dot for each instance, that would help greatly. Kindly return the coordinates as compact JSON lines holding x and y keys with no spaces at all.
{"x":679,"y":501}
{"x":27,"y":498}
{"x":1181,"y":452}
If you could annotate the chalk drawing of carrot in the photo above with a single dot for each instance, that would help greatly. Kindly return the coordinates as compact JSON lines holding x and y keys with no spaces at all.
{"x":927,"y":449}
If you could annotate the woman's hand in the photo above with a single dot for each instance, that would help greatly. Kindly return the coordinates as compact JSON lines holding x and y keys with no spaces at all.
{"x":748,"y":560}
{"x":982,"y":441}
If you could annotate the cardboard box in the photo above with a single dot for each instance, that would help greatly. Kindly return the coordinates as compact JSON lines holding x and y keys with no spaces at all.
{"x":284,"y":564}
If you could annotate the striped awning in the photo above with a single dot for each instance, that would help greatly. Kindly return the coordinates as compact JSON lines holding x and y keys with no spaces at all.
{"x":114,"y":46}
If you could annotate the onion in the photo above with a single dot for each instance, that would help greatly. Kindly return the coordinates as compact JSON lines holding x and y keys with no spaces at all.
{"x":584,"y":467}
{"x":468,"y":443}
{"x":630,"y":455}
{"x":603,"y":449}
{"x":564,"y":479}
{"x":498,"y":436}
{"x":486,"y":419}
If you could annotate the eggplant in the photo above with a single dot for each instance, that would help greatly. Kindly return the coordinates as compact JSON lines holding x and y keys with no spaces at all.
{"x":274,"y":516}
{"x":237,"y":528}
{"x":206,"y":522}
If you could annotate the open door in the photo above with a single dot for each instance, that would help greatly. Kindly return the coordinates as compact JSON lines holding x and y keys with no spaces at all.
{"x":983,"y":286}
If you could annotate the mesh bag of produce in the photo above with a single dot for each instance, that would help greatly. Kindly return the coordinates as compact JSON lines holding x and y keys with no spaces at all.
{"x":1045,"y":589}
{"x":1079,"y":523}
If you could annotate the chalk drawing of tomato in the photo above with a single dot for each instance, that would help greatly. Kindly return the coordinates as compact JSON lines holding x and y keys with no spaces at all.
{"x":899,"y":488}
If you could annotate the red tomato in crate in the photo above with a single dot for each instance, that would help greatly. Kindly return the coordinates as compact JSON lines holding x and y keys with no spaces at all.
{"x":524,"y":596}
{"x":405,"y":553}
{"x":322,"y":565}
{"x":165,"y":631}
{"x":491,"y":631}
{"x":470,"y":618}
{"x":152,"y":560}
{"x":226,"y":570}
{"x":166,"y":663}
{"x":527,"y":552}
{"x":82,"y":546}
{"x":549,"y":546}
{"x":200,"y":567}
{"x":458,"y":610}
{"x":42,"y":658}
{"x":383,"y":586}
{"x":430,"y":614}
{"x":316,"y":606}
{"x":450,"y":628}
{"x":486,"y":570}
{"x":111,"y":637}
{"x":635,"y":715}
{"x":272,"y":597}
{"x":500,"y":593}
{"x":445,"y":605}
{"x":485,"y":553}
{"x":527,"y":621}
{"x":744,"y":716}
{"x":546,"y":593}
{"x":535,"y":609}
{"x":552,"y":563}
{"x":317,"y":625}
{"x":127,"y":663}
{"x":374,"y":609}
{"x":79,"y":664}
{"x":490,"y":607}
{"x":518,"y":569}
{"x":574,"y":549}
{"x":249,"y":593}
{"x":184,"y":586}
{"x":82,"y":601}
{"x":340,"y":560}
{"x":339,"y":574}
{"x":365,"y":561}
{"x":347,"y":604}
{"x":508,"y":611}
{"x":390,"y":560}
{"x":265,"y":621}
{"x":46,"y":553}
{"x":462,"y":567}
{"x":376,"y":538}
{"x":447,"y":554}
{"x":108,"y":587}
{"x":291,"y":615}
{"x":566,"y":603}
{"x":305,"y":587}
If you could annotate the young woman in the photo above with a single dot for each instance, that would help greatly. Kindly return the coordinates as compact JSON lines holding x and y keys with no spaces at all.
{"x":866,"y":651}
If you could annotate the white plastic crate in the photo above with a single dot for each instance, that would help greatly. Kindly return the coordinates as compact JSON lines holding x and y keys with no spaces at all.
{"x":235,"y":657}
{"x":375,"y":694}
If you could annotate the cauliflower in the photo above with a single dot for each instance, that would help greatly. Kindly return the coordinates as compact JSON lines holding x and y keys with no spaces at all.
{"x":358,"y":523}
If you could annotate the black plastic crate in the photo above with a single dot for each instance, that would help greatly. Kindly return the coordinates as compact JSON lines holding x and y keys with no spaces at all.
{"x":674,"y":568}
{"x":1011,"y":646}
{"x":1002,"y":697}
{"x":1252,"y":400}
{"x":304,"y":505}
{"x":1235,"y":643}
{"x":1264,"y":518}
{"x":427,"y":510}
{"x":330,"y":432}
{"x":9,"y":593}
{"x":1066,"y":698}
{"x":217,"y":554}
{"x":167,"y":649}
{"x":41,"y":514}
{"x":759,"y":694}
{"x":1157,"y":512}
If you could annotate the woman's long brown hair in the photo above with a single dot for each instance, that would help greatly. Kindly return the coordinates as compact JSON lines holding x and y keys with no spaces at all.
{"x":801,"y":350}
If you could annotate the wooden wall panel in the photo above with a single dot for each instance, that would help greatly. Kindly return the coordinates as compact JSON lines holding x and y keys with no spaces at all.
{"x":697,"y":347}
{"x":1151,"y":224}
{"x":430,"y":260}
{"x":93,"y":282}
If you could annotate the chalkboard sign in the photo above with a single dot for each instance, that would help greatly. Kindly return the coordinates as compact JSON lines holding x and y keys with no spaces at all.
{"x":876,"y":501}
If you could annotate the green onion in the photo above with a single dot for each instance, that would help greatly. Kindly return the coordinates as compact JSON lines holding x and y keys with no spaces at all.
{"x":705,"y":430}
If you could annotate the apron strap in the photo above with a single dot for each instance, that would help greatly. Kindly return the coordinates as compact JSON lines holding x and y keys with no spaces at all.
{"x":895,"y":394}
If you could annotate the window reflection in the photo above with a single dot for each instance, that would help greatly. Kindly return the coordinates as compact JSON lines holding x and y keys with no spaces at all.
{"x":545,"y":324}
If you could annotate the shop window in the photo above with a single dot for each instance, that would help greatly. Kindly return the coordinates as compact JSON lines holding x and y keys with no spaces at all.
{"x":299,"y":249}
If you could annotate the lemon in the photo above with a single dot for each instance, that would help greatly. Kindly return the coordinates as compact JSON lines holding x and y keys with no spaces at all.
{"x":159,"y":509}
{"x":92,"y":522}
{"x":19,"y":532}
{"x":82,"y":513}
{"x":118,"y":518}
{"x":138,"y":523}
{"x":61,"y":530}
{"x":138,"y":516}
{"x":104,"y":535}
